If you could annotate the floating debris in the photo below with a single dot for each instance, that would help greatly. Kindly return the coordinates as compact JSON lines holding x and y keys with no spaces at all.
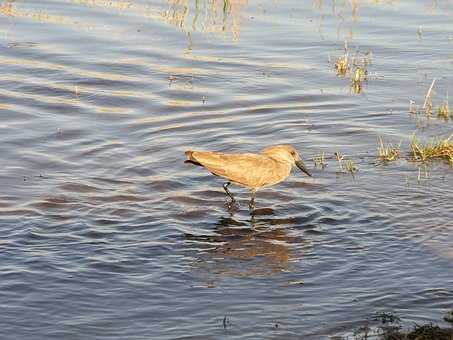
{"x":296,"y":283}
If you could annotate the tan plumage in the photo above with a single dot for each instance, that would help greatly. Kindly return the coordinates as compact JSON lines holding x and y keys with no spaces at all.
{"x":253,"y":171}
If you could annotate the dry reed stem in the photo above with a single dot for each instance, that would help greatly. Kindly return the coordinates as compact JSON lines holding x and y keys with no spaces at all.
{"x":428,"y":96}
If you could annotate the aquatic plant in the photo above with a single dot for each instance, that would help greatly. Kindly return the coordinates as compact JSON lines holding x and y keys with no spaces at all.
{"x":426,"y":173}
{"x":413,"y":108}
{"x":388,"y":153}
{"x":443,"y":111}
{"x":342,"y":62}
{"x":320,"y":161}
{"x":441,"y":149}
{"x":355,"y":66}
{"x":358,"y":75}
{"x":449,"y":317}
{"x":350,"y":167}
{"x":339,"y":158}
{"x":359,"y":70}
{"x":428,"y":103}
{"x":342,"y":65}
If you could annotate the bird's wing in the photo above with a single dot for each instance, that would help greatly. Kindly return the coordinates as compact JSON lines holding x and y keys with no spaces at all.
{"x":245,"y":169}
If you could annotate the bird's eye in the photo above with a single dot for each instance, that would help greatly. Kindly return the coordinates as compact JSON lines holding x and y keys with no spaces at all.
{"x":293,"y":153}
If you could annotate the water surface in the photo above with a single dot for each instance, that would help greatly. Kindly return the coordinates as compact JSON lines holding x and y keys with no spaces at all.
{"x":107,"y":234}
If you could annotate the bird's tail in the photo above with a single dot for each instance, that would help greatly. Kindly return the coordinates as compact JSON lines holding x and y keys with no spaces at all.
{"x":191,"y":159}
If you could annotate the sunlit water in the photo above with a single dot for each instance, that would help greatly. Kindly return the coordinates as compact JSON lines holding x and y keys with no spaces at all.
{"x":106,"y":234}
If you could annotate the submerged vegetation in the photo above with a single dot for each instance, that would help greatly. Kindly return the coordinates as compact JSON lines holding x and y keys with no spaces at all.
{"x":387,"y":326}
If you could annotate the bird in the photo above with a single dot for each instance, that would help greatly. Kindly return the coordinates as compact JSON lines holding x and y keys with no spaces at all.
{"x":253,"y":171}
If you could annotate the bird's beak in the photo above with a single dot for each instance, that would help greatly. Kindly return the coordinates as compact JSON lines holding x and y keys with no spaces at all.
{"x":302,"y":167}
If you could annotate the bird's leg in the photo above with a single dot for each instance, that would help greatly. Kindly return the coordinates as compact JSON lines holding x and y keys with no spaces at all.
{"x":252,"y":203}
{"x":225,"y":187}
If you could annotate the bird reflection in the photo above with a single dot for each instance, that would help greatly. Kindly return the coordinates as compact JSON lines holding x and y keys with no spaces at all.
{"x":252,"y":247}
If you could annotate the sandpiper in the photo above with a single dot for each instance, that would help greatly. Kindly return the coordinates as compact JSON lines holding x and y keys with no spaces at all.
{"x":253,"y":171}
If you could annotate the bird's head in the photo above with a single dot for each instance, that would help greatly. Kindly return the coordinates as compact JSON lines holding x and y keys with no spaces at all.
{"x":286,"y":154}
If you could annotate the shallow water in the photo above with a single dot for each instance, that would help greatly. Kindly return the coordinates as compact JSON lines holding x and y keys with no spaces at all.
{"x":106,"y":234}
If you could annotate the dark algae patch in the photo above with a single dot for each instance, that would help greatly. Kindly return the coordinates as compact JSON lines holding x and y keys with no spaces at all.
{"x":389,"y":328}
